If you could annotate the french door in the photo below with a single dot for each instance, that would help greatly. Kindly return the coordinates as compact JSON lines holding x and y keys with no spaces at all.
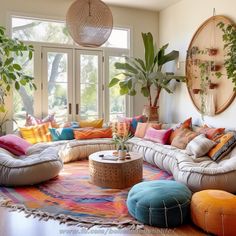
{"x":72,"y":83}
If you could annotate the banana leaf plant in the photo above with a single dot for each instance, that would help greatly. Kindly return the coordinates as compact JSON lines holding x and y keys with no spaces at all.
{"x":142,"y":75}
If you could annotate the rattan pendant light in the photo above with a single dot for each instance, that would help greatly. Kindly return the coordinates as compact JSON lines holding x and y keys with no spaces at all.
{"x":89,"y":22}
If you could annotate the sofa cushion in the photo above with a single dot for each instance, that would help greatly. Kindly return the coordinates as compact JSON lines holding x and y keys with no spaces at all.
{"x":183,"y":137}
{"x":91,"y":123}
{"x":142,"y":128}
{"x":199,"y":146}
{"x":37,"y":133}
{"x":61,"y":133}
{"x":211,"y":133}
{"x":120,"y":128}
{"x":14,"y":144}
{"x":32,"y":120}
{"x":186,"y":124}
{"x":93,"y":133}
{"x":223,"y":147}
{"x":158,"y":136}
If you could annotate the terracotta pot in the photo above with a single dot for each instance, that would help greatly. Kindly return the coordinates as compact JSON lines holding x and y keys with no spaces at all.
{"x":151,"y":113}
{"x":212,"y":51}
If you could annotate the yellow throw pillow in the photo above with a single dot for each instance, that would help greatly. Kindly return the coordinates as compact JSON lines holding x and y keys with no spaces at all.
{"x":91,"y":123}
{"x":37,"y":133}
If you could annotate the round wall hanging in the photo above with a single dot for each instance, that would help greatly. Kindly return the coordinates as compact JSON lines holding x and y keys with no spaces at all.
{"x":89,"y":22}
{"x":210,"y":90}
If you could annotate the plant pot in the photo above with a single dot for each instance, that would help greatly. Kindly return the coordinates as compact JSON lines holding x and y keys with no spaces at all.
{"x":212,"y":51}
{"x":151,"y":113}
{"x":122,"y":154}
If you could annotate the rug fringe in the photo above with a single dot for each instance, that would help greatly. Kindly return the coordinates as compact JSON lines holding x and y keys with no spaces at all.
{"x":87,"y":223}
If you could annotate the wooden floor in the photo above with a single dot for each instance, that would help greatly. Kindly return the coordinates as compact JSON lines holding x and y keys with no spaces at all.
{"x":16,"y":224}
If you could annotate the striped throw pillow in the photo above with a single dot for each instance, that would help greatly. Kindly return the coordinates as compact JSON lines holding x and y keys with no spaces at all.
{"x":37,"y":133}
{"x":199,"y":146}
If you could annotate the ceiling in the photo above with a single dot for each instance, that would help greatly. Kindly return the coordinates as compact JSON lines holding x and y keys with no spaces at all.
{"x":155,"y":5}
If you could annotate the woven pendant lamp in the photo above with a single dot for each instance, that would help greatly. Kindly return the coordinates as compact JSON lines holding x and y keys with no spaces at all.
{"x":89,"y":22}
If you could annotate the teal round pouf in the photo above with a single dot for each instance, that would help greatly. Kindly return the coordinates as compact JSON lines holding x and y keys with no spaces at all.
{"x":161,"y":203}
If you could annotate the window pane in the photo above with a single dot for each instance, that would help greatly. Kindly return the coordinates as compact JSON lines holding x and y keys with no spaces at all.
{"x":118,"y":39}
{"x":40,"y":31}
{"x":23,"y":100}
{"x":88,"y":86}
{"x":57,"y":85}
{"x":117,"y":102}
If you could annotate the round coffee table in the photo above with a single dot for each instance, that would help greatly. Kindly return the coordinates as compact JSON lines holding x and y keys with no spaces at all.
{"x":115,"y":173}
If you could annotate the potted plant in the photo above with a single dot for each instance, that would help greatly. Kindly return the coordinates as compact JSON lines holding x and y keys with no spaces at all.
{"x":229,"y":38}
{"x":11,"y":73}
{"x":120,"y":143}
{"x":143,"y":75}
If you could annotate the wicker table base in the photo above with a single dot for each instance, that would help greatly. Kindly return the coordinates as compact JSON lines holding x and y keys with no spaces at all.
{"x":115,"y":174}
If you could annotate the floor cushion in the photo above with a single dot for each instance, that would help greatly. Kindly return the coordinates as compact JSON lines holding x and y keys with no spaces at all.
{"x":214,"y":211}
{"x":161,"y":203}
{"x":29,"y":169}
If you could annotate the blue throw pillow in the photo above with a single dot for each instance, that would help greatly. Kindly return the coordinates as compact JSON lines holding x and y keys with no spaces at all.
{"x":61,"y":134}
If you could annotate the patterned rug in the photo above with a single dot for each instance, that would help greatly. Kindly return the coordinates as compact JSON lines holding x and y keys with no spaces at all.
{"x":72,"y":199}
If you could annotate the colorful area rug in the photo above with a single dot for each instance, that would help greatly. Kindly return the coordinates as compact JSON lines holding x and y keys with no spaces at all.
{"x":72,"y":199}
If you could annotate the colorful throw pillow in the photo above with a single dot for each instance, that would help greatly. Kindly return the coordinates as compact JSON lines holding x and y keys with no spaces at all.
{"x":186,"y":124}
{"x":158,"y":136}
{"x":183,"y":137}
{"x":120,"y":128}
{"x":32,"y":120}
{"x":142,"y":128}
{"x":14,"y":144}
{"x":93,"y":133}
{"x":224,"y":145}
{"x":199,"y":146}
{"x":133,"y":121}
{"x":211,"y":133}
{"x":61,"y":134}
{"x":91,"y":123}
{"x":37,"y":133}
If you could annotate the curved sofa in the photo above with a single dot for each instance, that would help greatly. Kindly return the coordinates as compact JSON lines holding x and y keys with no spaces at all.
{"x":31,"y":169}
{"x":197,"y":174}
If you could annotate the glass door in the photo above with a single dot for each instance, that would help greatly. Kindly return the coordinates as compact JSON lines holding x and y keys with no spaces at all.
{"x":88,"y":80}
{"x":57,"y":88}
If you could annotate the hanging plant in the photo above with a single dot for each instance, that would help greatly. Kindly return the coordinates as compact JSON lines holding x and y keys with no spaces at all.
{"x":229,"y":38}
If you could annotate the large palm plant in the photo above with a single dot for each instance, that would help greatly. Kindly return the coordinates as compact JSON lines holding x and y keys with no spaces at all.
{"x":144,"y":74}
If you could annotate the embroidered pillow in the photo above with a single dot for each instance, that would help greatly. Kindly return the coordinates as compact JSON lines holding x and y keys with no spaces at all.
{"x":183,"y":137}
{"x":158,"y":136}
{"x":211,"y":133}
{"x":199,"y":146}
{"x":224,"y":145}
{"x":186,"y":124}
{"x":133,"y":121}
{"x":142,"y":128}
{"x":37,"y":133}
{"x":61,"y":134}
{"x":91,"y":123}
{"x":93,"y":133}
{"x":32,"y":120}
{"x":14,"y":144}
{"x":120,"y":128}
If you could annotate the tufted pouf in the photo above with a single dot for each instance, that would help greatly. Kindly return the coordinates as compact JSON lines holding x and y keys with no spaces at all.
{"x":214,"y":211}
{"x":161,"y":203}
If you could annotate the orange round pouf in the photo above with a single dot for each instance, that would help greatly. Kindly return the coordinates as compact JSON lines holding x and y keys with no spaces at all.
{"x":214,"y":211}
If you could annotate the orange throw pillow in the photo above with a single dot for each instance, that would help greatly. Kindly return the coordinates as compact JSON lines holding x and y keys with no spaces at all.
{"x":211,"y":133}
{"x":183,"y":137}
{"x":186,"y":124}
{"x":92,"y":133}
{"x":142,"y":127}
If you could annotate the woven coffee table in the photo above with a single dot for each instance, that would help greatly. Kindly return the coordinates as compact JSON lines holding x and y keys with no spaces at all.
{"x":115,"y":174}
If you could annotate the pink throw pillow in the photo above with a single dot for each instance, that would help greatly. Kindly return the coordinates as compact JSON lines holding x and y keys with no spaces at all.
{"x":158,"y":136}
{"x":14,"y":144}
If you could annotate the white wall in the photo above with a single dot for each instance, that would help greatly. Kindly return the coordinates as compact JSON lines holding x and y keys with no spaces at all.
{"x":177,"y":25}
{"x":138,"y":20}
